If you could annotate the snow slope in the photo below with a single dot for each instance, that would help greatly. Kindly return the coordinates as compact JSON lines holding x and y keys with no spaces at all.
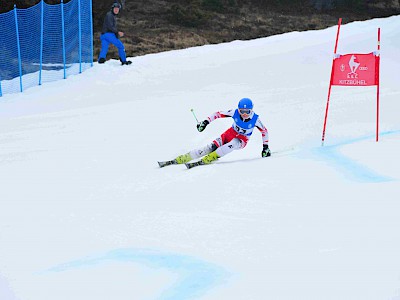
{"x":87,"y":214}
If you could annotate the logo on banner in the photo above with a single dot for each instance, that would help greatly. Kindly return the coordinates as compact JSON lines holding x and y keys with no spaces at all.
{"x":354,"y":66}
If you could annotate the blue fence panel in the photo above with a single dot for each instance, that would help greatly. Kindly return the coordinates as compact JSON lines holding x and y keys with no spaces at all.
{"x":29,"y":29}
{"x":87,"y":34}
{"x":72,"y":41}
{"x":53,"y":62}
{"x":44,"y":43}
{"x":9,"y":65}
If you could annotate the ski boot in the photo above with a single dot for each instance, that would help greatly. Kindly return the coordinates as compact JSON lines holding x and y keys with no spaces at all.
{"x":184,"y":158}
{"x":209,"y":158}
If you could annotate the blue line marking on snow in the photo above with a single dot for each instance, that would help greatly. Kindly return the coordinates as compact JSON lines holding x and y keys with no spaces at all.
{"x":196,"y":276}
{"x":349,"y":167}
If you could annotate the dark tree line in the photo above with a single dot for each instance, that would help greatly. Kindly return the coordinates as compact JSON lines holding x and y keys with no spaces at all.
{"x":220,"y":5}
{"x":9,"y":5}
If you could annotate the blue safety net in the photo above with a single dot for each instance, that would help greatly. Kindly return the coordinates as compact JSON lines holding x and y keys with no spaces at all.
{"x":44,"y":43}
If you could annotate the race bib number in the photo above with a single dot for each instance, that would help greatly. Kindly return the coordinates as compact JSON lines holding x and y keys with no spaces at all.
{"x":240,"y":130}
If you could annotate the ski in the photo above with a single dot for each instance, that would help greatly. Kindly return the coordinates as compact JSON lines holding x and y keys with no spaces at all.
{"x":284,"y":152}
{"x":194,"y":164}
{"x":167,"y":163}
{"x":190,"y":165}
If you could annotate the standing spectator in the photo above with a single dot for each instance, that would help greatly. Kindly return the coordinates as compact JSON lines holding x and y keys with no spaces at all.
{"x":111,"y":35}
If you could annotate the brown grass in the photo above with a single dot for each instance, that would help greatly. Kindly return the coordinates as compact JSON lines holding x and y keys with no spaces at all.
{"x":149,"y":27}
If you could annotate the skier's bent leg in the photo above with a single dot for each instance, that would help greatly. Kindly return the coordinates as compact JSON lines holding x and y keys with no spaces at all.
{"x":234,"y":144}
{"x":196,"y":153}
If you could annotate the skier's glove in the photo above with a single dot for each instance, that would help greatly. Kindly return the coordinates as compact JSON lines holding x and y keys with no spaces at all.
{"x":202,"y":125}
{"x":266,"y":151}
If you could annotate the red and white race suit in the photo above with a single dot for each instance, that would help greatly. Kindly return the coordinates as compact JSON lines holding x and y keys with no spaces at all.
{"x":236,"y":137}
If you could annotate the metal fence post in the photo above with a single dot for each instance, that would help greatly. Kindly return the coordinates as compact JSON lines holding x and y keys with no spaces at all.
{"x":41,"y":41}
{"x":18,"y":47}
{"x":80,"y":36}
{"x":91,"y":32}
{"x":63,"y":36}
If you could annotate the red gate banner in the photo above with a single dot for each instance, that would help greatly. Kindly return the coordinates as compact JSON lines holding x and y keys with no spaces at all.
{"x":355,"y":70}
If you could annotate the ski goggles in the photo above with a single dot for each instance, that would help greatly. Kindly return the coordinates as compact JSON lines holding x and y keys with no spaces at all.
{"x":243,"y":111}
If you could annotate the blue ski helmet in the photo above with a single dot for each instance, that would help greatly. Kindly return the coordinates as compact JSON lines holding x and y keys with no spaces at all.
{"x":245,"y":103}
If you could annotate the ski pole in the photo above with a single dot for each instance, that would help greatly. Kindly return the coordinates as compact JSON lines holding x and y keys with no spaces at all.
{"x":194,"y":115}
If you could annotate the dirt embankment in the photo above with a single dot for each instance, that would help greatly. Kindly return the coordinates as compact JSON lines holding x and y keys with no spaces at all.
{"x":155,"y":26}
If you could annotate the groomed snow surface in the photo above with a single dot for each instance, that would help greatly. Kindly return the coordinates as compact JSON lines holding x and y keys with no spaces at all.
{"x":86,"y":213}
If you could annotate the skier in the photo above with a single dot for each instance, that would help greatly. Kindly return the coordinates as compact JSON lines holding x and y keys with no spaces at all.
{"x":235,"y":138}
{"x":110,"y":35}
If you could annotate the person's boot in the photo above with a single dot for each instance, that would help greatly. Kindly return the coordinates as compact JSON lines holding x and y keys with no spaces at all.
{"x":184,"y":158}
{"x":127,"y":62}
{"x":209,"y":158}
{"x":102,"y":60}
